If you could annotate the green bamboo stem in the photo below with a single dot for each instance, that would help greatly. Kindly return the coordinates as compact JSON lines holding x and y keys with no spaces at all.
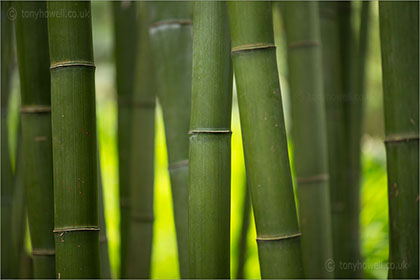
{"x":125,"y":24}
{"x":74,"y":140}
{"x":33,"y":60}
{"x":309,"y":135}
{"x":6,"y":166}
{"x":399,"y":33}
{"x":103,"y":240}
{"x":142,"y":159}
{"x":209,"y":152}
{"x":264,"y":137}
{"x":243,"y":237}
{"x":171,"y":44}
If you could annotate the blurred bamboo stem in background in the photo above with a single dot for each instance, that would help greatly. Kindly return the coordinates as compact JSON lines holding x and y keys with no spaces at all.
{"x":264,"y":139}
{"x":103,"y":240}
{"x":309,"y":135}
{"x":171,"y":45}
{"x":243,"y":237}
{"x":74,"y":141}
{"x":125,"y":53}
{"x":33,"y":58}
{"x":399,"y":33}
{"x":210,"y":144}
{"x":141,"y":149}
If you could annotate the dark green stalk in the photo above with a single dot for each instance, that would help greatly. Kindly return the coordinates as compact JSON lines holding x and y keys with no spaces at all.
{"x":33,"y":59}
{"x":6,"y":166}
{"x":125,"y":24}
{"x":74,"y":140}
{"x":264,"y":137}
{"x":309,"y":135}
{"x":171,"y":44}
{"x":210,"y":135}
{"x":243,"y":237}
{"x":142,"y":159}
{"x":399,"y":32}
{"x":103,"y":240}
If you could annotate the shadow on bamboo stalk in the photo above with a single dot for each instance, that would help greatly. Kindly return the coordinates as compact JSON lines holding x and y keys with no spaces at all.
{"x":399,"y":32}
{"x":171,"y":45}
{"x":125,"y":50}
{"x":264,"y":138}
{"x":309,"y":135}
{"x":33,"y":58}
{"x":142,"y":158}
{"x":74,"y":141}
{"x":210,"y":151}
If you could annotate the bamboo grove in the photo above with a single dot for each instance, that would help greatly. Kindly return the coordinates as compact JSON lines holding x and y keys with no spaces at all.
{"x":188,"y":64}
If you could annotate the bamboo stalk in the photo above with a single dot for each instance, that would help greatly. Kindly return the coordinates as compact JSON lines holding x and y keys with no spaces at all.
{"x":399,"y":33}
{"x":74,"y":140}
{"x":103,"y":240}
{"x":171,"y":44}
{"x":142,"y":159}
{"x":264,"y":137}
{"x":209,"y":152}
{"x":309,"y":135}
{"x":33,"y":60}
{"x":243,"y":237}
{"x":8,"y":264}
{"x":125,"y":24}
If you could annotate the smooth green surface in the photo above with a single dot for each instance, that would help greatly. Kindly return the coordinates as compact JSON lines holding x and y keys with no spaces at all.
{"x":74,"y":141}
{"x":33,"y":58}
{"x":242,"y":241}
{"x":125,"y":53}
{"x":103,"y":240}
{"x":264,"y":139}
{"x":210,"y":154}
{"x":399,"y":30}
{"x":142,"y":159}
{"x":6,"y":167}
{"x":171,"y":44}
{"x":309,"y":135}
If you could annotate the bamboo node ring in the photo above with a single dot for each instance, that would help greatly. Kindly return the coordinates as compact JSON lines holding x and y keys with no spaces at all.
{"x":143,"y":218}
{"x":170,"y":22}
{"x":401,"y":138}
{"x":177,"y":165}
{"x":72,"y":229}
{"x":251,"y":47}
{"x":313,"y":179}
{"x":304,"y":44}
{"x":35,"y":109}
{"x":43,"y":252}
{"x":61,"y":64}
{"x":278,"y":238}
{"x":210,"y":131}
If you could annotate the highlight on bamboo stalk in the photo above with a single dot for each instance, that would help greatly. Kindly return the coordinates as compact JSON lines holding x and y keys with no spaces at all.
{"x":399,"y":31}
{"x":33,"y":58}
{"x":125,"y":52}
{"x":210,"y":135}
{"x":264,"y":137}
{"x":171,"y":49}
{"x":73,"y":117}
{"x":309,"y":135}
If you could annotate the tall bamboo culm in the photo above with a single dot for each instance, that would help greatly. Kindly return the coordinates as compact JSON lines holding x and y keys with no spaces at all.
{"x":33,"y":59}
{"x":103,"y":239}
{"x":264,"y":138}
{"x":171,"y":43}
{"x":399,"y":33}
{"x":6,"y":165}
{"x":309,"y":135}
{"x":125,"y":50}
{"x":142,"y":158}
{"x":243,"y":237}
{"x":210,"y":152}
{"x":74,"y":140}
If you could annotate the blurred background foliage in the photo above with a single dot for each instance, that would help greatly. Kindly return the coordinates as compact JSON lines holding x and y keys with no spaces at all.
{"x":374,"y":204}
